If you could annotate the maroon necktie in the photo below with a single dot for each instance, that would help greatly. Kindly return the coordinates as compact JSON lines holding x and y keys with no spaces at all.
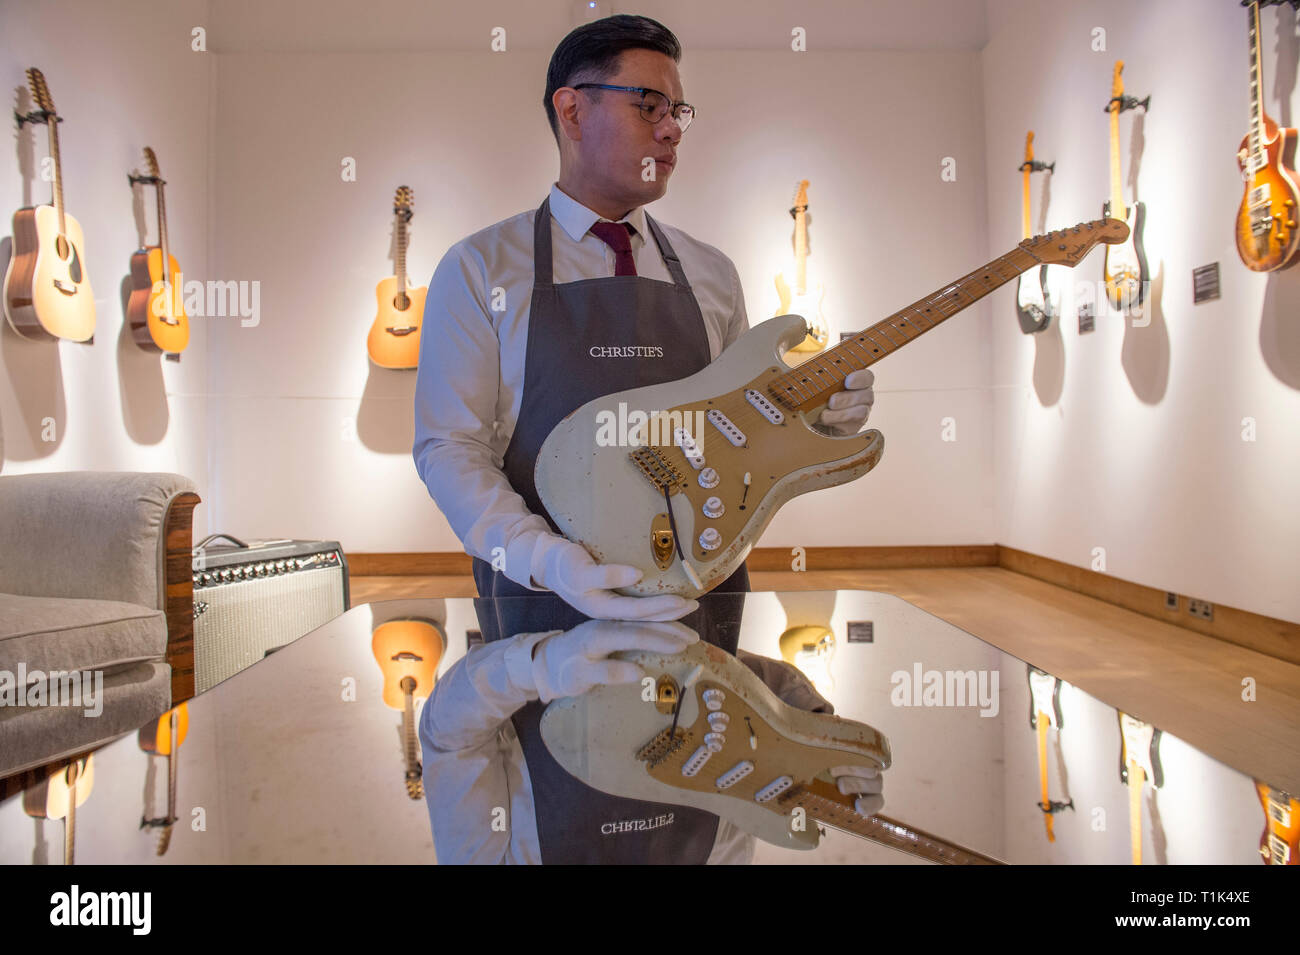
{"x":617,"y":236}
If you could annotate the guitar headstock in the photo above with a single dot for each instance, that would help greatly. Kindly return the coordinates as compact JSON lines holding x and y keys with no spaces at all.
{"x":800,"y":200}
{"x":40,"y":92}
{"x":1117,"y":84}
{"x":1029,"y":147}
{"x":404,"y":203}
{"x":1069,"y":246}
{"x":152,"y":161}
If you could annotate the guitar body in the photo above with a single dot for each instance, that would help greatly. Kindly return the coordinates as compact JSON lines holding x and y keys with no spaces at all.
{"x":394,"y":339}
{"x":597,"y":738}
{"x":1034,"y":307}
{"x":156,"y":310}
{"x":809,"y":305}
{"x":1267,"y":236}
{"x":47,"y":291}
{"x":407,"y":648}
{"x":156,"y":736}
{"x":1125,"y":268}
{"x":52,"y":798}
{"x":1280,"y":843}
{"x":600,"y":498}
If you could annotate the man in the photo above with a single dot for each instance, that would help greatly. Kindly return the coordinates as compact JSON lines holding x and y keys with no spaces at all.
{"x":535,"y":315}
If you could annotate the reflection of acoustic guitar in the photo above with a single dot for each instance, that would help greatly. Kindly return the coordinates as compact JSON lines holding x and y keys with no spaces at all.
{"x":796,"y":299}
{"x":47,"y":291}
{"x":1139,"y":761}
{"x":1280,"y":843}
{"x":163,"y":737}
{"x":60,"y":796}
{"x":1044,"y":711}
{"x":685,"y":508}
{"x":394,"y":340}
{"x":1125,"y":269}
{"x":1034,"y":307}
{"x":1267,"y":237}
{"x":709,"y":734}
{"x":156,"y":310}
{"x":408,"y":652}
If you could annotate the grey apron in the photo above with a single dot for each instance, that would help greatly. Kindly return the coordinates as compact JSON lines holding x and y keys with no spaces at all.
{"x":565,"y":322}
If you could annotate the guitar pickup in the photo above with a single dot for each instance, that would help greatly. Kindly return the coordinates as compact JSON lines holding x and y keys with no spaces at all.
{"x":694,"y":456}
{"x":768,"y":410}
{"x":662,"y":474}
{"x":728,"y":429}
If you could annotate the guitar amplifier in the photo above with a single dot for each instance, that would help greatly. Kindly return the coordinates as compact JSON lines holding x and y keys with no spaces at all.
{"x":251,"y":599}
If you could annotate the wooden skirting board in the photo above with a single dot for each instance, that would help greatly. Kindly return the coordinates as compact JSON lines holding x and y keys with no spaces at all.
{"x":1277,"y":638}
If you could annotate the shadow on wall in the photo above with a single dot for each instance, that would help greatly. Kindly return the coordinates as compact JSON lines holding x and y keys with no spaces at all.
{"x":1279,"y":327}
{"x":1145,"y":352}
{"x":1049,"y":363}
{"x":36,"y":376}
{"x":386,"y":417}
{"x":141,"y":388}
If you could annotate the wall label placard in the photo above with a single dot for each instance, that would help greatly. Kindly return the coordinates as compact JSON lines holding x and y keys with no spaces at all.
{"x":861,"y":631}
{"x":1205,"y":283}
{"x":1087,"y":321}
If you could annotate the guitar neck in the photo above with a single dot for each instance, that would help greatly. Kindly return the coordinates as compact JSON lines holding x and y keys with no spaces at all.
{"x":815,"y":380}
{"x":162,"y":234}
{"x":801,"y":251}
{"x":825,"y":804}
{"x":58,"y":176}
{"x":401,"y":253}
{"x":1256,"y":86}
{"x":1136,"y":777}
{"x":1117,"y":210}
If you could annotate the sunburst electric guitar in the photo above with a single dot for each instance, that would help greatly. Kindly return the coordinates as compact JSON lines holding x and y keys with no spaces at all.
{"x":156,"y":310}
{"x":163,"y":737}
{"x":47,"y":291}
{"x":1034,"y":306}
{"x":59,"y":796}
{"x":722,"y":450}
{"x":709,"y":734}
{"x":1280,"y":843}
{"x":797,"y":298}
{"x":1125,"y":268}
{"x":1267,"y":238}
{"x":394,"y":339}
{"x":1139,"y":762}
{"x":408,"y":652}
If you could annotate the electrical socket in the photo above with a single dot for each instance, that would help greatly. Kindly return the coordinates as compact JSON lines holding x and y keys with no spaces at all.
{"x":1171,"y":600}
{"x":1200,"y":608}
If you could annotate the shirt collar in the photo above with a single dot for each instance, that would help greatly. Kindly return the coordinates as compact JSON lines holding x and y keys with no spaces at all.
{"x":576,"y":219}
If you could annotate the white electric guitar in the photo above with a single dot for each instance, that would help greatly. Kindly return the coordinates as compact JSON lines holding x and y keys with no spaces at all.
{"x":797,"y":297}
{"x":1139,"y":762}
{"x":703,"y":731}
{"x":710,"y":458}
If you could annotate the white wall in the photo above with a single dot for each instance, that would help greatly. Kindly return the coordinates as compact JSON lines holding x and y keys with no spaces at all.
{"x":1130,"y":438}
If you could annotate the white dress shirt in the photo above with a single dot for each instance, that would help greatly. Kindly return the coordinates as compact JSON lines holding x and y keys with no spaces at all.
{"x":472,"y":349}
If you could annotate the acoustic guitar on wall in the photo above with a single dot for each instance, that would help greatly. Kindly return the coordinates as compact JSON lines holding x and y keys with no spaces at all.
{"x":47,"y":292}
{"x":792,"y":287}
{"x":1267,"y":237}
{"x":1125,"y":269}
{"x":156,"y":310}
{"x":408,"y":652}
{"x":59,"y":796}
{"x":394,"y":339}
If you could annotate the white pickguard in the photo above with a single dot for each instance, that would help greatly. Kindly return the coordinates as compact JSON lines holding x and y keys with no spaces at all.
{"x":595,"y":737}
{"x":599,"y":498}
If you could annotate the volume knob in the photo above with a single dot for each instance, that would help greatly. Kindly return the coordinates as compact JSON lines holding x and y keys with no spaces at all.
{"x":713,"y":507}
{"x":710,"y":539}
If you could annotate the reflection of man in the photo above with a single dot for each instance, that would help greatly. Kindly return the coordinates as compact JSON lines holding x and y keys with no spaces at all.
{"x":494,"y":792}
{"x":588,"y":295}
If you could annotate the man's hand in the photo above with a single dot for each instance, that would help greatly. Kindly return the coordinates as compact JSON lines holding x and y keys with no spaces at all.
{"x":589,"y":587}
{"x":847,"y":410}
{"x":570,"y":664}
{"x":866,"y":782}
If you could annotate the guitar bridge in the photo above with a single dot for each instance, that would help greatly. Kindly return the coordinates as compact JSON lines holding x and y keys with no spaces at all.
{"x":662,"y":746}
{"x":662,"y":474}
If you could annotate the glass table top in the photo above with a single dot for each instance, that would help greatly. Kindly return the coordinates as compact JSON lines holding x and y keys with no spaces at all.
{"x":304,"y":757}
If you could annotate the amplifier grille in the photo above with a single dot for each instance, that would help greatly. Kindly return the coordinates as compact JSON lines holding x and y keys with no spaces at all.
{"x":242,"y":620}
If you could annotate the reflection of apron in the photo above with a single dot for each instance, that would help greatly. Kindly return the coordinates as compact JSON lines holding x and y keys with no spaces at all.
{"x":560,"y":375}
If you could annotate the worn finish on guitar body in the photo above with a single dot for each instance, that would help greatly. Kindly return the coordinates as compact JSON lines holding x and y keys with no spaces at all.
{"x":47,"y":292}
{"x":1274,"y":245}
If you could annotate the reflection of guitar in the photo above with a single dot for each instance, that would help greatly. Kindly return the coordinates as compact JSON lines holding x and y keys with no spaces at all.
{"x":1267,"y":238}
{"x":1125,"y":269}
{"x":1045,"y":710}
{"x":155,"y":310}
{"x":394,"y":339}
{"x":163,"y":737}
{"x":60,"y":796}
{"x":1034,"y":307}
{"x":711,"y":735}
{"x":47,"y":291}
{"x":1139,"y":760}
{"x":809,"y":648}
{"x":799,"y":300}
{"x":1280,"y":843}
{"x":408,"y":652}
{"x":726,"y":447}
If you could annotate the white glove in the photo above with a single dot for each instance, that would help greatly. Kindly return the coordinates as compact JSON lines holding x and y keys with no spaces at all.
{"x":847,"y":410}
{"x":567,"y":569}
{"x":571,"y":663}
{"x":860,"y":779}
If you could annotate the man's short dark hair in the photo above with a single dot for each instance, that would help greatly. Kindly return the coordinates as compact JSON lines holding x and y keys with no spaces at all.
{"x":590,"y":54}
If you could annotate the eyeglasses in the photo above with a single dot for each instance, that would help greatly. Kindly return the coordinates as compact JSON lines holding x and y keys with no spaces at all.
{"x":654,"y":105}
